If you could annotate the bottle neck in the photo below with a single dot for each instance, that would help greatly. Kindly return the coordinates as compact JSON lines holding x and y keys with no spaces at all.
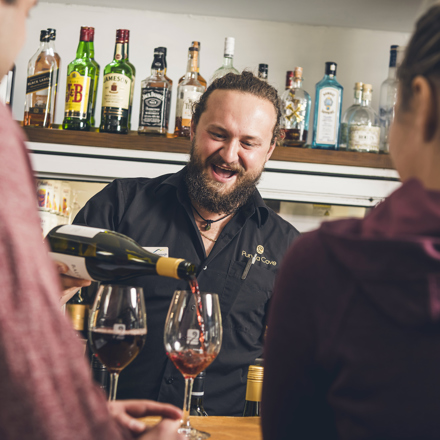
{"x":85,"y":49}
{"x":357,"y":97}
{"x":45,"y":46}
{"x":119,"y":51}
{"x":192,"y":66}
{"x":392,"y":72}
{"x":366,"y":100}
{"x":228,"y":61}
{"x":127,"y":48}
{"x":297,"y":83}
{"x":330,"y":76}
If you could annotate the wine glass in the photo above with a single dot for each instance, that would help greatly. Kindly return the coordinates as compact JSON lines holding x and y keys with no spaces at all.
{"x":117,"y":328}
{"x":192,"y":338}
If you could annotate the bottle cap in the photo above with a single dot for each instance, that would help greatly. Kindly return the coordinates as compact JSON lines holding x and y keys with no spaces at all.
{"x":229,"y":46}
{"x":161,"y":49}
{"x":120,"y":36}
{"x":197,"y":44}
{"x":298,"y":72}
{"x":52,"y":33}
{"x":289,"y":74}
{"x":255,"y":373}
{"x":358,"y":86}
{"x":330,"y":68}
{"x":400,"y":55}
{"x":87,"y":33}
{"x":127,"y":36}
{"x":368,"y":87}
{"x":44,"y":35}
{"x":263,"y":68}
{"x":393,"y":55}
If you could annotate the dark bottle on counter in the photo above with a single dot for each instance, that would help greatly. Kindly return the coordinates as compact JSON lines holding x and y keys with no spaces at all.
{"x":252,"y":406}
{"x":196,"y":406}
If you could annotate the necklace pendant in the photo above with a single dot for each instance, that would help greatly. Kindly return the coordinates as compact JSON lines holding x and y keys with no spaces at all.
{"x":208,"y":226}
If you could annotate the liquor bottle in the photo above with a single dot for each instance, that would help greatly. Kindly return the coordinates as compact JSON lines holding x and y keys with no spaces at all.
{"x":252,"y":406}
{"x":228,"y":59}
{"x":295,"y":106}
{"x":164,"y":51}
{"x":96,"y":79}
{"x":80,"y":86}
{"x":101,"y":255}
{"x":40,"y":87}
{"x":343,"y":132}
{"x":116,"y":90}
{"x":155,"y":98}
{"x":53,"y":36}
{"x":388,"y":97}
{"x":200,"y":78}
{"x":263,"y":71}
{"x":328,"y":109}
{"x":188,"y":92}
{"x":133,"y":78}
{"x":7,"y":87}
{"x":363,"y":125}
{"x":289,"y":79}
{"x":196,"y":405}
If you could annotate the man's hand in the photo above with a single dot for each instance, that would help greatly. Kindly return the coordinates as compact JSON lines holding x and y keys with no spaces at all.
{"x":126,"y":412}
{"x":69,"y":285}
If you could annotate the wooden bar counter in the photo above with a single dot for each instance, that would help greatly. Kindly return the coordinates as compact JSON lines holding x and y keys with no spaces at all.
{"x":223,"y":428}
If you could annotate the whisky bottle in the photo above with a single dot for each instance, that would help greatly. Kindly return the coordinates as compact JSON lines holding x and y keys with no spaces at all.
{"x":116,"y":90}
{"x":188,"y":92}
{"x":343,"y":132}
{"x":53,"y":36}
{"x":263,"y":71}
{"x":200,"y":78}
{"x":133,"y":78}
{"x":363,"y":125}
{"x":295,"y":107}
{"x":80,"y":86}
{"x":7,"y":87}
{"x":96,"y":79}
{"x":228,"y":59}
{"x":164,"y":51}
{"x":40,"y":86}
{"x":155,"y":92}
{"x":328,"y":108}
{"x":252,"y":405}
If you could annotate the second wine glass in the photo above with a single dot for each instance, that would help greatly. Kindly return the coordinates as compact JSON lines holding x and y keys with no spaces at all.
{"x":117,"y":328}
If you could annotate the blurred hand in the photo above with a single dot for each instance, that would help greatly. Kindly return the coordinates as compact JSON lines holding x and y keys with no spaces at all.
{"x":126,"y":413}
{"x":70,"y":285}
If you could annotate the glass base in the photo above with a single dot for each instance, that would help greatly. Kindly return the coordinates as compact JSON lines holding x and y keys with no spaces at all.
{"x":192,"y":433}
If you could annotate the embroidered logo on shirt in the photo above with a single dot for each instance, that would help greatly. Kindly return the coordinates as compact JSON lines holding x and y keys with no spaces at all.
{"x":260,"y":249}
{"x":264,"y":260}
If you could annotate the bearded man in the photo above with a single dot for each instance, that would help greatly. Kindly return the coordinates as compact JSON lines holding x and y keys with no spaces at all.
{"x":211,"y":214}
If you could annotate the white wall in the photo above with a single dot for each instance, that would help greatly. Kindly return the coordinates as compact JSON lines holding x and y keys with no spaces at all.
{"x":362,"y":55}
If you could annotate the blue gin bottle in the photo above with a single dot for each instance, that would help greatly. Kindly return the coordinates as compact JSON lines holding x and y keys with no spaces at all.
{"x":328,"y":108}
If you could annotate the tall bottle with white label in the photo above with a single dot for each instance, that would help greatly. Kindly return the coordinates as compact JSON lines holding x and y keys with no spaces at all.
{"x":189,"y":91}
{"x":116,"y":90}
{"x":328,"y":108}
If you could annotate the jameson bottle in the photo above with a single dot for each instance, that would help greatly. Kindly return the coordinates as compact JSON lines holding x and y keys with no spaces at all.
{"x":202,"y":81}
{"x":155,"y":93}
{"x":196,"y":406}
{"x":328,"y":108}
{"x":80,"y":86}
{"x":101,"y":255}
{"x":133,"y":78}
{"x":252,"y":406}
{"x":116,"y":90}
{"x":40,"y":88}
{"x":189,"y":92}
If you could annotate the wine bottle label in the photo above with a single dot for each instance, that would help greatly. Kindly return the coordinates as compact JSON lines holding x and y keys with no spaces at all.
{"x":364,"y":138}
{"x":77,"y":95}
{"x":154,"y":102}
{"x":185,"y":104}
{"x":39,"y":82}
{"x":80,"y":231}
{"x":76,"y":265}
{"x":160,"y":251}
{"x":328,"y":115}
{"x":116,"y":92}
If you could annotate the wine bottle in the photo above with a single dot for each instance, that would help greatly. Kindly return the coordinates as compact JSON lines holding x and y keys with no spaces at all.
{"x":252,"y":406}
{"x":102,"y":255}
{"x":196,"y":406}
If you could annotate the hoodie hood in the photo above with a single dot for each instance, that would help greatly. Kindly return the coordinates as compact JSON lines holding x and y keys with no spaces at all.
{"x":393,"y":254}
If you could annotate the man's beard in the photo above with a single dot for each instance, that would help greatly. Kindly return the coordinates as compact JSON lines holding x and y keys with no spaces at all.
{"x":214,"y":196}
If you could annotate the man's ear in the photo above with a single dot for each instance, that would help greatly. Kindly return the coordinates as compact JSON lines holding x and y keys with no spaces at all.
{"x":193,"y":129}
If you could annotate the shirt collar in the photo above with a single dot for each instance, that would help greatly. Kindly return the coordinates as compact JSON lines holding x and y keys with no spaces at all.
{"x":255,"y":205}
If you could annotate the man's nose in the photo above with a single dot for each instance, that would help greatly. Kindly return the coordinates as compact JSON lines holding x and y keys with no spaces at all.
{"x":229,"y":152}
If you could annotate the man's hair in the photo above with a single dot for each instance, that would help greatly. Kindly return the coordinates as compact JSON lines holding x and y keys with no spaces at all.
{"x":245,"y":82}
{"x":8,"y":2}
{"x":422,"y":55}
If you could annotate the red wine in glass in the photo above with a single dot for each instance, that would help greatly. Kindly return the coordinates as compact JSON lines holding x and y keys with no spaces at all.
{"x":191,"y":362}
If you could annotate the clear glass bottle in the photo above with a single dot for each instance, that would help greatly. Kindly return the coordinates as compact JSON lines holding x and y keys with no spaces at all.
{"x":388,"y":97}
{"x":328,"y":109}
{"x":228,"y":60}
{"x":202,"y":80}
{"x":363,"y":125}
{"x":80,"y":85}
{"x":40,"y":87}
{"x":343,"y":132}
{"x":188,"y":92}
{"x":295,"y":107}
{"x":289,"y":79}
{"x":133,"y":78}
{"x":155,"y":92}
{"x":263,"y":71}
{"x":116,"y":90}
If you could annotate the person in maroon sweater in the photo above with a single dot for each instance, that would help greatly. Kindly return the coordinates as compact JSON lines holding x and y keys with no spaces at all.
{"x":45,"y":385}
{"x":353,"y":340}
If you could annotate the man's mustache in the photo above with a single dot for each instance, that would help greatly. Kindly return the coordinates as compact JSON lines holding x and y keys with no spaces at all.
{"x":219,"y":162}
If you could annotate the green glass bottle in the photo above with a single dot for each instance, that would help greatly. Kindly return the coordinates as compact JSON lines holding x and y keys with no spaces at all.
{"x":82,"y":76}
{"x":116,"y":90}
{"x":127,"y":49}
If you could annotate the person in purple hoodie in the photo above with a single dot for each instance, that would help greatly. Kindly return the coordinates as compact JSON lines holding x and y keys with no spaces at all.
{"x":353,"y":341}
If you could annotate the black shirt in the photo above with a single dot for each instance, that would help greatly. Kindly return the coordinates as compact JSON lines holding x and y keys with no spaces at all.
{"x":157,"y":212}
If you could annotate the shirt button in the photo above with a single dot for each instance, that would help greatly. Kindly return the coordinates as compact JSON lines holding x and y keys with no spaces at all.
{"x":206,"y":267}
{"x":193,"y":307}
{"x":170,"y":380}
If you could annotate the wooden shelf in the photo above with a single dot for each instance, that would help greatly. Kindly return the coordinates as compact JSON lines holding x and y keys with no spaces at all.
{"x":134,"y":141}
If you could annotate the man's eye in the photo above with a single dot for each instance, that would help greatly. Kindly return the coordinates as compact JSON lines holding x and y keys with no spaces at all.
{"x":217,"y":135}
{"x":247,"y":144}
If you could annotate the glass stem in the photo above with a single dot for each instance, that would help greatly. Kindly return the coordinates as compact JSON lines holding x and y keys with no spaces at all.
{"x":187,"y":402}
{"x":113,"y":386}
